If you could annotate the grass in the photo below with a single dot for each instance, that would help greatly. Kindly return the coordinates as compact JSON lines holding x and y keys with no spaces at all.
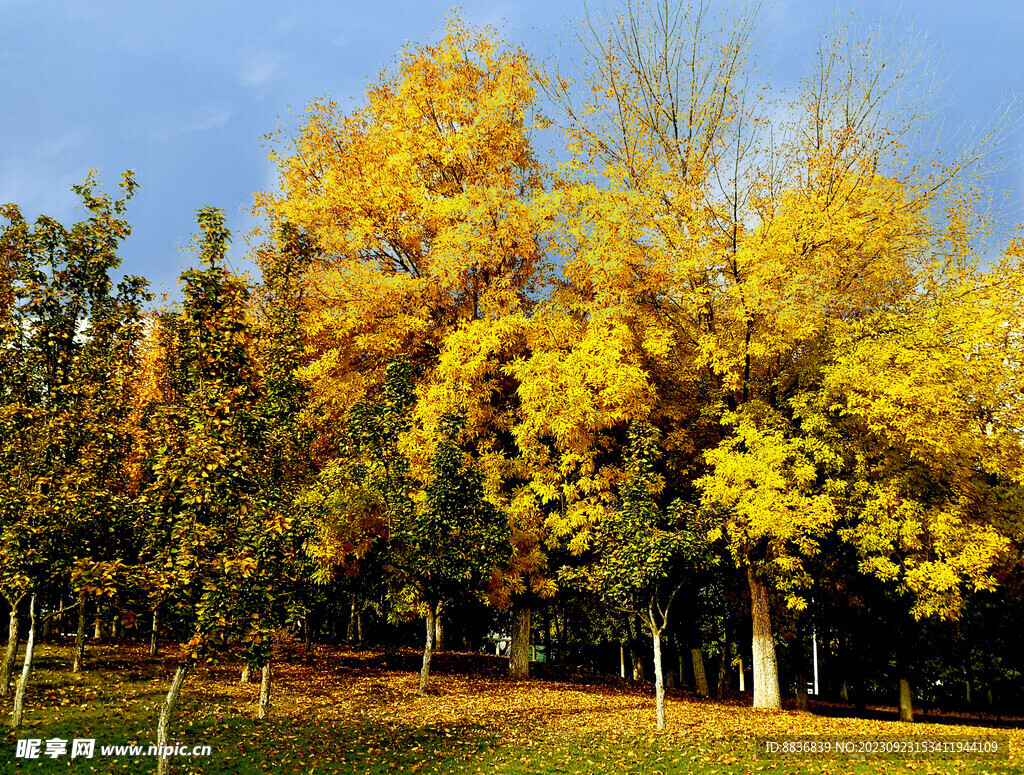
{"x":345,"y":711}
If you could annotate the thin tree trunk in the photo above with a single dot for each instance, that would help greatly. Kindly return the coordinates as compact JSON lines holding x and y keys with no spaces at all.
{"x":438,"y":631}
{"x":906,"y":701}
{"x":353,"y":614}
{"x":48,"y":624}
{"x":97,"y":632}
{"x":265,"y":691}
{"x":766,"y":671}
{"x":359,"y":626}
{"x":723,"y":667}
{"x":154,"y":645}
{"x":428,"y":650}
{"x":246,"y":676}
{"x":622,"y":660}
{"x":638,"y":664}
{"x":743,"y":674}
{"x":844,"y":691}
{"x":519,"y":651}
{"x":163,"y":763}
{"x":11,"y":654}
{"x":18,"y":712}
{"x":659,"y":677}
{"x":802,"y":700}
{"x":560,"y":638}
{"x":700,"y":679}
{"x":79,"y":663}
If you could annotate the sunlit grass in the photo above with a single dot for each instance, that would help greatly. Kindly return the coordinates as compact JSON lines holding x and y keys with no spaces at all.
{"x":344,"y":711}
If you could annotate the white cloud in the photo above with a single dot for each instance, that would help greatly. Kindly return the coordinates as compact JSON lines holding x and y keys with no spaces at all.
{"x":257,"y":69}
{"x":207,"y":118}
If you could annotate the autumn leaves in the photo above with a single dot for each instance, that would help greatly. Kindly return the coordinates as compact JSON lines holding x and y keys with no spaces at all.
{"x":809,"y":336}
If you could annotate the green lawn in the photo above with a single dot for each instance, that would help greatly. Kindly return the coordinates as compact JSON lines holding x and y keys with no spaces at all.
{"x":356,"y":712}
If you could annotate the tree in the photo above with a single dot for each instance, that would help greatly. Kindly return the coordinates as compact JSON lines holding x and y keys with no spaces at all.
{"x":438,"y":539}
{"x":750,"y":259}
{"x":211,"y":519}
{"x":454,"y":246}
{"x":642,"y":553}
{"x":67,"y":350}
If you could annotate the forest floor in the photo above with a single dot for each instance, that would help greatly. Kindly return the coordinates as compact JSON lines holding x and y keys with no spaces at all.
{"x":339,"y":710}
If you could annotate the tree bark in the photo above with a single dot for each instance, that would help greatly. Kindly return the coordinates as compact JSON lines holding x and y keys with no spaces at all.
{"x":48,"y":624}
{"x":659,"y":677}
{"x":519,"y":651}
{"x":428,"y":650}
{"x":154,"y":645}
{"x":264,"y":711}
{"x":622,"y":661}
{"x":11,"y":654}
{"x":743,"y":674}
{"x":18,"y":712}
{"x":844,"y":691}
{"x":766,"y":671}
{"x":700,"y":679}
{"x":246,"y":676}
{"x":79,"y":663}
{"x":97,"y":632}
{"x":802,"y":700}
{"x":723,"y":671}
{"x":906,"y":701}
{"x":353,"y":614}
{"x":438,"y":631}
{"x":638,"y":664}
{"x":163,"y":763}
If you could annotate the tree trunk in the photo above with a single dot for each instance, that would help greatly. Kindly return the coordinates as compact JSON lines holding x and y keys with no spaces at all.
{"x":659,"y":677}
{"x":154,"y":646}
{"x":97,"y":632}
{"x":906,"y":701}
{"x":802,"y":700}
{"x":79,"y":663}
{"x":359,"y":625}
{"x":766,"y":671}
{"x":428,"y":650}
{"x":844,"y":691}
{"x":48,"y":624}
{"x":246,"y":676}
{"x":622,"y":660}
{"x":18,"y":712}
{"x":723,"y":671}
{"x":11,"y":654}
{"x":163,"y":763}
{"x":438,"y":632}
{"x":265,"y":691}
{"x":519,"y":651}
{"x":353,"y":614}
{"x":638,"y":664}
{"x":700,"y":679}
{"x":743,"y":673}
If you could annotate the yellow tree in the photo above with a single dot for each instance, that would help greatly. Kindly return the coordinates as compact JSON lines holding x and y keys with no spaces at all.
{"x":420,"y":207}
{"x":760,"y":257}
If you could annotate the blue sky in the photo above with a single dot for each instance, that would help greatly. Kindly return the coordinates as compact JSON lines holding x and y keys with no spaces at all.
{"x":183,"y":92}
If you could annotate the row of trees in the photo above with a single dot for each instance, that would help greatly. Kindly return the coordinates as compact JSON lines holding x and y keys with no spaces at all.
{"x":727,"y":336}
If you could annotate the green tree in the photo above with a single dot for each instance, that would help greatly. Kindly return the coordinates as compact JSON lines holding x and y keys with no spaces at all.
{"x":208,"y":475}
{"x":643,"y":551}
{"x":439,"y":540}
{"x":67,"y":353}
